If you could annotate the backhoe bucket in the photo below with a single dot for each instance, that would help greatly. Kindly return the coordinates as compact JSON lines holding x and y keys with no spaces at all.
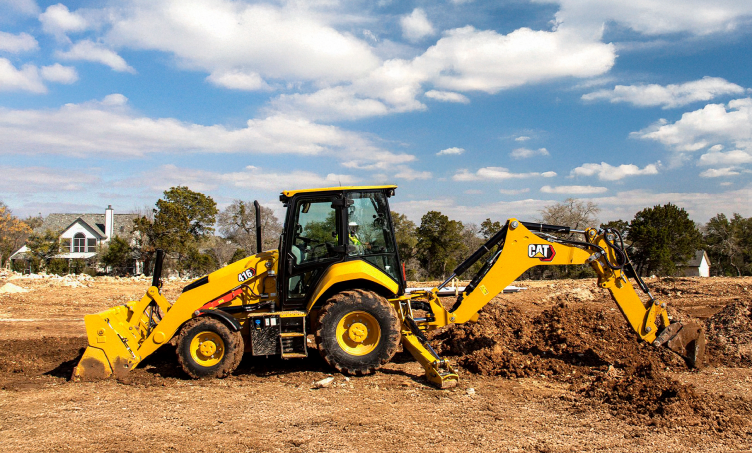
{"x":113,"y":343}
{"x":685,"y":339}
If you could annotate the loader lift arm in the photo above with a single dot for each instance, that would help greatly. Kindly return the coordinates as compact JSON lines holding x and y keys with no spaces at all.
{"x":515,"y":249}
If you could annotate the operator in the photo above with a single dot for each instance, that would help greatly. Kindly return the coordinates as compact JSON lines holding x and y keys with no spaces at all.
{"x":352,"y":228}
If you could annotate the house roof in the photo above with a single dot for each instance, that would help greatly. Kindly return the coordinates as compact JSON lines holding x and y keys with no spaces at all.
{"x":697,"y":260}
{"x":122,"y":223}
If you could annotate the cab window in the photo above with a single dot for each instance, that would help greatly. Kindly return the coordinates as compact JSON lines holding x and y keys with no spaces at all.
{"x":369,"y":235}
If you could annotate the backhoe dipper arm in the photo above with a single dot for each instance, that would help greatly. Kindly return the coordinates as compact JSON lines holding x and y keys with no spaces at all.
{"x":519,"y":249}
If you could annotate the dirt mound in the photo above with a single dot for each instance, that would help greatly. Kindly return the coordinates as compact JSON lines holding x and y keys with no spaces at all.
{"x":641,"y":392}
{"x":729,"y":334}
{"x":562,"y":341}
{"x":591,"y":348}
{"x":52,"y":357}
{"x":10,"y":288}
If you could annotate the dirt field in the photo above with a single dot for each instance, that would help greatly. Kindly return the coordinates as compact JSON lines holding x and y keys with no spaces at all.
{"x":549,"y":369}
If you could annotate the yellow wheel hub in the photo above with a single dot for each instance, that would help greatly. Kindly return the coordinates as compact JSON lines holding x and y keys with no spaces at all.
{"x":358,"y":333}
{"x":207,"y":348}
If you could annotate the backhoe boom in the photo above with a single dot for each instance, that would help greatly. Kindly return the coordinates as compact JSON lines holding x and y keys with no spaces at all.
{"x":519,"y":249}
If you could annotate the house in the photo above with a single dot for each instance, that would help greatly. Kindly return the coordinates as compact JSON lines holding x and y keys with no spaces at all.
{"x":699,"y":266}
{"x":81,"y":235}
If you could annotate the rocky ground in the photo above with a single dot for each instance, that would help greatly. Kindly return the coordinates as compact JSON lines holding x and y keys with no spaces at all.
{"x":553,"y":368}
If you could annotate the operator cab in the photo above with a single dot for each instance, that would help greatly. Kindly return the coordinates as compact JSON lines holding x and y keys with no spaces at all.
{"x":324,"y":227}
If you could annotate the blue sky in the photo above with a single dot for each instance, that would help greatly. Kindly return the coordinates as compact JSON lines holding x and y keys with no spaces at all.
{"x":474,"y":108}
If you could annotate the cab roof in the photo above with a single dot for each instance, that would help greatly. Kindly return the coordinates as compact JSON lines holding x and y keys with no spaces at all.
{"x":290,"y":193}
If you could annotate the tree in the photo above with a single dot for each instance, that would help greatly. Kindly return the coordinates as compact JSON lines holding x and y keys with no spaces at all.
{"x":727,"y":242}
{"x":118,"y":255}
{"x":577,"y":215}
{"x":237,"y":222}
{"x":571,"y":212}
{"x":13,"y":233}
{"x":439,"y":243}
{"x":663,"y":237}
{"x":237,"y":256}
{"x":221,"y":250}
{"x":181,"y":221}
{"x":404,"y":236}
{"x":622,"y":226}
{"x":488,"y":228}
{"x":42,"y":249}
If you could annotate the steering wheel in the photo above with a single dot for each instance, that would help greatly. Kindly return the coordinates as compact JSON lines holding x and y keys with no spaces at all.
{"x":317,"y":246}
{"x":304,"y":240}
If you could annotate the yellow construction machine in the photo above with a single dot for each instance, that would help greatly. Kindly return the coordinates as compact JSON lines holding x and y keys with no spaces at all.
{"x":337,"y":275}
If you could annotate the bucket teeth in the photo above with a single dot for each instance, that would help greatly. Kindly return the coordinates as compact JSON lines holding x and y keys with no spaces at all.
{"x":686,"y":340}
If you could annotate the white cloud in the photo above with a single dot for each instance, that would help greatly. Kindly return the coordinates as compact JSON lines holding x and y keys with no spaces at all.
{"x":524,"y":153}
{"x":655,"y":17}
{"x":329,"y":104}
{"x":669,"y":96}
{"x":497,"y":173}
{"x":57,"y":20}
{"x":25,"y":79}
{"x":416,"y":25}
{"x":716,"y":157}
{"x":249,"y":177}
{"x":447,"y":96}
{"x":606,"y":172}
{"x":404,"y":172}
{"x":41,"y":179}
{"x":513,"y":191}
{"x":289,"y":42}
{"x":573,"y":190}
{"x":455,"y":151}
{"x":109,"y":127}
{"x":22,"y":42}
{"x":59,"y":73}
{"x":621,"y":205}
{"x":466,"y":59}
{"x":238,"y":80}
{"x":28,"y":7}
{"x":522,"y":138}
{"x":711,"y":125}
{"x":700,"y":206}
{"x":719,"y":172}
{"x":90,"y":51}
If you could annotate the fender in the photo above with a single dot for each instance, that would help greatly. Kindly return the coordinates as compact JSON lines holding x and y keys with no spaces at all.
{"x":222,"y":316}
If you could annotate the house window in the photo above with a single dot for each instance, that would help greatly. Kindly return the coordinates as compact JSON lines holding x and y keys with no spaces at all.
{"x":79,"y":243}
{"x":91,"y":245}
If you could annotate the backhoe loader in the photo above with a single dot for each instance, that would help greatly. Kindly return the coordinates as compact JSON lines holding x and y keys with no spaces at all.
{"x":347,"y":288}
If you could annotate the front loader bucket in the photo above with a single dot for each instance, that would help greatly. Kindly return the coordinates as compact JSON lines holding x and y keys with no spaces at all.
{"x":113,"y":343}
{"x":685,"y":339}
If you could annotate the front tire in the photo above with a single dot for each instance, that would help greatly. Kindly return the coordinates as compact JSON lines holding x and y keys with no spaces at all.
{"x":358,"y":332}
{"x":208,"y":348}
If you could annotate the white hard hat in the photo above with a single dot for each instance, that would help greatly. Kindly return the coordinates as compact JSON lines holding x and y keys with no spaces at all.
{"x":352,"y":224}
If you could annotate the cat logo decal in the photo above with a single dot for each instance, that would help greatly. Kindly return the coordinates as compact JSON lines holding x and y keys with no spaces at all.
{"x":544,"y":252}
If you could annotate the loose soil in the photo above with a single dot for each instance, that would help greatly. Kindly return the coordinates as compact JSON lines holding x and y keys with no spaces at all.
{"x":553,"y":368}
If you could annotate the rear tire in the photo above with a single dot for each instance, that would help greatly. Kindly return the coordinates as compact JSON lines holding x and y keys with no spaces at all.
{"x":208,"y":348}
{"x":358,"y":332}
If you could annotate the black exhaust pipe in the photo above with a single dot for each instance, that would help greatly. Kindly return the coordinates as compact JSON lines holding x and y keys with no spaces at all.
{"x":156,"y":276}
{"x":258,"y":225}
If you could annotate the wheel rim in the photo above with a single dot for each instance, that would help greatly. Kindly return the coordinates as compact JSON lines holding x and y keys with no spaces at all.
{"x":207,"y":348}
{"x":358,"y":333}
